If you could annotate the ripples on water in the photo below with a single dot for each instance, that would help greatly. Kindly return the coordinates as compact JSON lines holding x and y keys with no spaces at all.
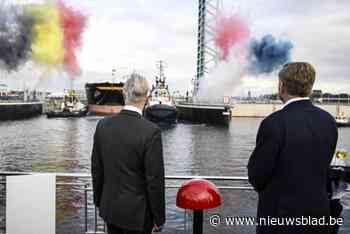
{"x":64,"y":145}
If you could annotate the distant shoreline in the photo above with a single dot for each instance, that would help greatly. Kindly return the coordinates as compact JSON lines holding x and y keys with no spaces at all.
{"x":262,"y":110}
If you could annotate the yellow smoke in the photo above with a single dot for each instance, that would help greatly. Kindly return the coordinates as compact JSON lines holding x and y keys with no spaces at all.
{"x":47,"y":46}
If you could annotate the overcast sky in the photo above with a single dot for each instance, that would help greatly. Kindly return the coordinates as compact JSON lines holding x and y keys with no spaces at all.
{"x":133,"y":35}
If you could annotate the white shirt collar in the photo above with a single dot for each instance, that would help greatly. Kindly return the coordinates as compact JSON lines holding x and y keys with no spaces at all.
{"x":295,"y":100}
{"x":132,"y":108}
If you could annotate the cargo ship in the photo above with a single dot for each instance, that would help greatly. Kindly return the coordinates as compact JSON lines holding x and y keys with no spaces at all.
{"x":104,"y":98}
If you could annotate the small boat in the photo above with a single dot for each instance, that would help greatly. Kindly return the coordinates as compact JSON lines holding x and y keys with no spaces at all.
{"x":65,"y":105}
{"x":160,"y":107}
{"x":342,"y":121}
{"x":340,"y":118}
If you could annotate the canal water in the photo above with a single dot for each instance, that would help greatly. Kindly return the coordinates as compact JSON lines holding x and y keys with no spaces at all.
{"x":64,"y":145}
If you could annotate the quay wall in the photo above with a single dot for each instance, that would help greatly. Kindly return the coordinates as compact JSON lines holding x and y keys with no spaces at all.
{"x":263,"y":110}
{"x":14,"y":111}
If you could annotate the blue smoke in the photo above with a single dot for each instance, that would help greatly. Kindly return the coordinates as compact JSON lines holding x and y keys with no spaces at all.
{"x":268,"y":54}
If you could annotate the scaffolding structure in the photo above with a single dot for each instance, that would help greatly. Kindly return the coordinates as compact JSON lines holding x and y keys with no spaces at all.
{"x":207,"y":52}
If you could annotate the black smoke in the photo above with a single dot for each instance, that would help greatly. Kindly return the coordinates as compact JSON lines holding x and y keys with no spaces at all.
{"x":15,"y":37}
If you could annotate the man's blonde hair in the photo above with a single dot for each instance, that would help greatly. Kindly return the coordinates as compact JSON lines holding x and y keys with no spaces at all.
{"x":298,"y":78}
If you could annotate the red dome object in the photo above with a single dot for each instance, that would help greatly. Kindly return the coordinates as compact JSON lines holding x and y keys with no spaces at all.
{"x":198,"y":194}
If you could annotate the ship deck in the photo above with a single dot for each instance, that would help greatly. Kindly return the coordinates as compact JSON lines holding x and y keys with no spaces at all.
{"x":204,"y":105}
{"x":14,"y":103}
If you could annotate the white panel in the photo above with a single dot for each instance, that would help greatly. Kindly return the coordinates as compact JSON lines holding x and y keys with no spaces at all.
{"x":31,"y":204}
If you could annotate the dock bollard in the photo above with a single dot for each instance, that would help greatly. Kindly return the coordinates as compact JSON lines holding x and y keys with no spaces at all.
{"x":198,"y":195}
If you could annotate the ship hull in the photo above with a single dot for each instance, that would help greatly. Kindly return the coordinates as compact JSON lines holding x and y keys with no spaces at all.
{"x":104,"y":109}
{"x":343,"y":124}
{"x":161,"y":114}
{"x":104,"y":98}
{"x":66,"y":114}
{"x":203,"y":113}
{"x":16,"y":111}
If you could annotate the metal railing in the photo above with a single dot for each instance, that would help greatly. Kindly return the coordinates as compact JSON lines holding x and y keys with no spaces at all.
{"x":82,"y":181}
{"x":84,"y":185}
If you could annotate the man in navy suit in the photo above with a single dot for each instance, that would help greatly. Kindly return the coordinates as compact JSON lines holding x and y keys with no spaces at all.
{"x":294,"y":148}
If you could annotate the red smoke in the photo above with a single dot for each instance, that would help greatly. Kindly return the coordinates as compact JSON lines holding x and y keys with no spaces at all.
{"x":229,"y":31}
{"x":73,"y":24}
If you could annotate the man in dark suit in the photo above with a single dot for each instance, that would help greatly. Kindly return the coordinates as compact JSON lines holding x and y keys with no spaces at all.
{"x":294,"y":148}
{"x":128,"y":168}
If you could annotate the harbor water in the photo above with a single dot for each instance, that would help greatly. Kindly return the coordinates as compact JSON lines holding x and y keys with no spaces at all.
{"x":64,"y":145}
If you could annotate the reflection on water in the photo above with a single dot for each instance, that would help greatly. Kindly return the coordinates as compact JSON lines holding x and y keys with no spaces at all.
{"x":64,"y":145}
{"x":70,"y":206}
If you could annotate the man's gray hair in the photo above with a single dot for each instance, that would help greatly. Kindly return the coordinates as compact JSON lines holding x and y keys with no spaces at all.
{"x":135,"y":88}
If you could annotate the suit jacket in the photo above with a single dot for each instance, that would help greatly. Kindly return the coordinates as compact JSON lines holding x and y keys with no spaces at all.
{"x":128,"y":171}
{"x":289,"y":165}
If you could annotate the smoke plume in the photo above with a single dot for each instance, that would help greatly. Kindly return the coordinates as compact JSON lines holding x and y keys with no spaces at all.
{"x":48,"y":34}
{"x":15,"y":37}
{"x":47,"y":44}
{"x":230,"y":31}
{"x":73,"y":25}
{"x":222,"y":81}
{"x":268,"y":54}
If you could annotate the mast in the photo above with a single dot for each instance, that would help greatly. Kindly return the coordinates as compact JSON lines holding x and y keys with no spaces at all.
{"x":114,"y":70}
{"x":207,"y":52}
{"x":2,"y":76}
{"x":161,"y":66}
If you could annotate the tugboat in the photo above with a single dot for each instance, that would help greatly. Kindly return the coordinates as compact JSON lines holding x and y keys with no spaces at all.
{"x":65,"y":105}
{"x":340,"y":119}
{"x":160,"y":107}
